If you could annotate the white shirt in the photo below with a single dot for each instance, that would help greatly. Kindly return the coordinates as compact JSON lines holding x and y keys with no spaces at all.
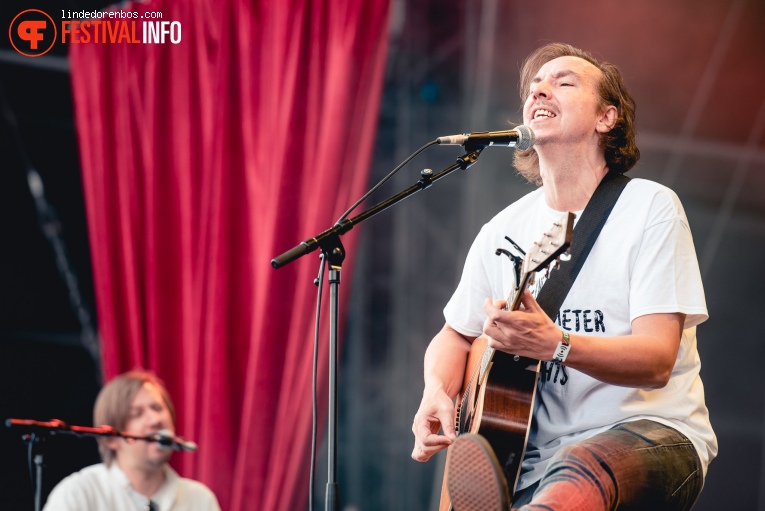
{"x":102,"y":488}
{"x":643,"y":262}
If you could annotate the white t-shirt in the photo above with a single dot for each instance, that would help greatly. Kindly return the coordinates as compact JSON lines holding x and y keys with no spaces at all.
{"x":643,"y":262}
{"x":101,"y":488}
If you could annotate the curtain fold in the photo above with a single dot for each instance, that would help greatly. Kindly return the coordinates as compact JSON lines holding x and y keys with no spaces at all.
{"x":202,"y":161}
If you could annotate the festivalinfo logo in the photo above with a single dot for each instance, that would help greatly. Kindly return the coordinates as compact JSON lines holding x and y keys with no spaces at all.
{"x":34,"y":32}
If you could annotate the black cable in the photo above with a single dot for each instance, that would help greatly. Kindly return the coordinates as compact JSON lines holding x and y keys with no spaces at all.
{"x":320,"y":284}
{"x":30,"y":451}
{"x":385,"y":179}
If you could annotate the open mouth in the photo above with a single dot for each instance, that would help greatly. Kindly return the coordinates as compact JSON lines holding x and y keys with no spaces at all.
{"x":543,"y":113}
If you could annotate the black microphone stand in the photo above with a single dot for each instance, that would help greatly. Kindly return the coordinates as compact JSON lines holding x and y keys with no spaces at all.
{"x":332,"y":248}
{"x":36,"y":435}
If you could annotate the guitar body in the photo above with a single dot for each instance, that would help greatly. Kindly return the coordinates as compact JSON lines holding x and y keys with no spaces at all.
{"x":497,"y":401}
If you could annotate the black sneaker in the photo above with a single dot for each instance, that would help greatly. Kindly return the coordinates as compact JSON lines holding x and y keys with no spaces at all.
{"x":473,"y":476}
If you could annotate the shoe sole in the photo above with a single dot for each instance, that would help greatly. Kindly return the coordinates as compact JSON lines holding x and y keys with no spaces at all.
{"x":474,"y":477}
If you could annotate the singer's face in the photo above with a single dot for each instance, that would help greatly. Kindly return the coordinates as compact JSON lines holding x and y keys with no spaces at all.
{"x":563,"y":104}
{"x":148,"y":415}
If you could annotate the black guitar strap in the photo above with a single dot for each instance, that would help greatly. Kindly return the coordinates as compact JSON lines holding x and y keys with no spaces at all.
{"x":594,"y":216}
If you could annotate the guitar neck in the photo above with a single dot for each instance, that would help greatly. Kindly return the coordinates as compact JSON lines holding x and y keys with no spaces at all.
{"x":515,"y":303}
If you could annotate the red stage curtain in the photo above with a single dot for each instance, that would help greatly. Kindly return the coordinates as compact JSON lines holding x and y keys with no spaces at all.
{"x":201,"y":161}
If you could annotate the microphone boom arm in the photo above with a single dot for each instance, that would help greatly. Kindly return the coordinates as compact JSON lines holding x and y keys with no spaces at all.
{"x":328,"y":239}
{"x":56,"y":426}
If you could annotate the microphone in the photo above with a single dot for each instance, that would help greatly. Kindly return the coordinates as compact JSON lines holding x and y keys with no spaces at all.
{"x":521,"y":138}
{"x":167,"y":440}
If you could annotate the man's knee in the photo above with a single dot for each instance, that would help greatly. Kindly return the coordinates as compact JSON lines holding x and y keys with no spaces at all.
{"x":577,"y":456}
{"x":576,"y":479}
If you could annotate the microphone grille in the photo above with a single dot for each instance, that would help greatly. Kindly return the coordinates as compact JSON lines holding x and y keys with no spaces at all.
{"x":525,"y":138}
{"x":164,"y":438}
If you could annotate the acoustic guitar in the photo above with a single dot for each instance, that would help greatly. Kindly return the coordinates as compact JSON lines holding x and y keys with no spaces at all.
{"x":499,"y":389}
